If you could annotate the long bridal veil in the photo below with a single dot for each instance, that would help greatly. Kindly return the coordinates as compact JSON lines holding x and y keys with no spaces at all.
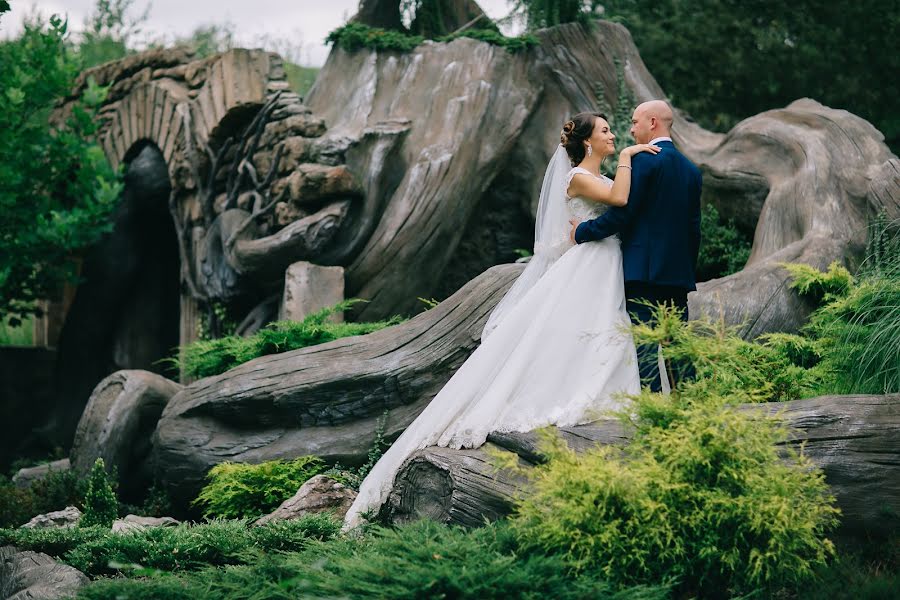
{"x":551,"y":236}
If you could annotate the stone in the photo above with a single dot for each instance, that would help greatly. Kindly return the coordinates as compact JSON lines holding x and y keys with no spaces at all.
{"x":319,"y":494}
{"x":67,"y":517}
{"x":36,"y":576}
{"x":25,"y":477}
{"x":117,"y":424}
{"x":136,"y":523}
{"x":309,"y":288}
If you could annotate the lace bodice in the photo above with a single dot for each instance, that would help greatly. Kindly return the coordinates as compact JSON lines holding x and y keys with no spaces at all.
{"x":579,"y":208}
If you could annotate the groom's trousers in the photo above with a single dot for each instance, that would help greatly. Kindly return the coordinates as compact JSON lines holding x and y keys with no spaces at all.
{"x":638,"y":292}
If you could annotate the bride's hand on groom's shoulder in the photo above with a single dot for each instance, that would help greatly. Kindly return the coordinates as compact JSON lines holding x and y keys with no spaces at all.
{"x":638,"y":148}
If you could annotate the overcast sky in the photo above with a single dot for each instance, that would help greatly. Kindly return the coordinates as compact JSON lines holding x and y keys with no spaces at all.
{"x":305,"y":22}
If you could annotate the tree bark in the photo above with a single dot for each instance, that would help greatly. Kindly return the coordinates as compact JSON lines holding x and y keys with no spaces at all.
{"x":854,"y":439}
{"x":323,"y":400}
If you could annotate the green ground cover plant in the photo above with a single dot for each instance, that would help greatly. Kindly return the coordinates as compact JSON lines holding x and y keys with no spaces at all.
{"x":701,"y":497}
{"x":356,"y":36}
{"x":237,"y":490}
{"x":211,"y":357}
{"x":97,"y":551}
{"x":420,"y":560}
{"x":856,"y":327}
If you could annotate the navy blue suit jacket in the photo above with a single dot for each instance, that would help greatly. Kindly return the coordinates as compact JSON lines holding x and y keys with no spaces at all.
{"x":660,"y":225}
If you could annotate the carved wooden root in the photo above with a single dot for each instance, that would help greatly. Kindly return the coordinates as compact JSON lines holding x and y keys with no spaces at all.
{"x":855,"y":439}
{"x":323,"y":400}
{"x":805,"y":178}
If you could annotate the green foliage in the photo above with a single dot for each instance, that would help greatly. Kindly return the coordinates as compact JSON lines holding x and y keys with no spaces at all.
{"x":54,"y":541}
{"x":491,"y":36}
{"x":723,"y":249}
{"x":860,"y":336}
{"x":427,"y":560}
{"x":54,"y":492}
{"x":701,"y":496}
{"x":301,"y":79}
{"x":547,"y":13}
{"x":109,"y":32}
{"x":354,"y":477}
{"x":355,"y":36}
{"x":19,"y":335}
{"x":860,"y":573}
{"x":619,"y":116}
{"x":421,"y":560}
{"x":818,"y":285}
{"x":98,"y":551}
{"x":186,"y":547}
{"x":211,"y":357}
{"x":238,"y":490}
{"x":725,"y":363}
{"x":100,"y":505}
{"x":56,"y":189}
{"x":883,"y":248}
{"x":723,"y":60}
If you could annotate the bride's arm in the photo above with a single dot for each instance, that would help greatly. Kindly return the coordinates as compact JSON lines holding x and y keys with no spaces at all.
{"x":591,"y":188}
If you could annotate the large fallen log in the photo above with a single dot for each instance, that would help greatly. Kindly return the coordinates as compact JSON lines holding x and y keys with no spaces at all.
{"x":854,"y":439}
{"x":323,"y":400}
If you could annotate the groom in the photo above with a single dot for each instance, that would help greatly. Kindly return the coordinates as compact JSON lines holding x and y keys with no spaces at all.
{"x":659,"y":227}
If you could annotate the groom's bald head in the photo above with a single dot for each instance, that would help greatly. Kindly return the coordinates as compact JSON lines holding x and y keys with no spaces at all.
{"x":651,"y":120}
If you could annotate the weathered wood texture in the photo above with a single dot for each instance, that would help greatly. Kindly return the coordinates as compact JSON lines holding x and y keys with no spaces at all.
{"x":323,"y":400}
{"x":854,"y":439}
{"x":805,"y":177}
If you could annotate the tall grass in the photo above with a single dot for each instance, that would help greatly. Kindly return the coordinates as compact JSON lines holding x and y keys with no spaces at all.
{"x":857,"y":325}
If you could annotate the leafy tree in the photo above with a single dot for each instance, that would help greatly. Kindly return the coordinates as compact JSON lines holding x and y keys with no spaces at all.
{"x":109,"y":32}
{"x":547,"y":13}
{"x":725,"y":60}
{"x":56,"y":188}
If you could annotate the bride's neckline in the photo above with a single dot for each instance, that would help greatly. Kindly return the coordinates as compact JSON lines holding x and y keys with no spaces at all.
{"x":588,"y":172}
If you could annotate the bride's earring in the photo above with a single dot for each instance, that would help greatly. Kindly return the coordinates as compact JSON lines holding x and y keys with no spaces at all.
{"x":590,"y":150}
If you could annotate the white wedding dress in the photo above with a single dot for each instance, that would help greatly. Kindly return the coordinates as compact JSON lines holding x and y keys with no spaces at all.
{"x":555,"y":353}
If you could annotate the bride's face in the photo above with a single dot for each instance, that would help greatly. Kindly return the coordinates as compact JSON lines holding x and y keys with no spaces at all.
{"x":602,"y":138}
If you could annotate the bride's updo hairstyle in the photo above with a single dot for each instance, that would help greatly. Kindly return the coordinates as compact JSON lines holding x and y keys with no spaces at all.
{"x":576,"y":131}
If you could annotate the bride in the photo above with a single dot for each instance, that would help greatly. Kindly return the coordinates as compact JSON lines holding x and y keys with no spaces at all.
{"x":555,"y":350}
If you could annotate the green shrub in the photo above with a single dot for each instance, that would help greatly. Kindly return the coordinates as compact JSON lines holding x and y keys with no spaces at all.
{"x":856,"y":329}
{"x":100,"y":504}
{"x":186,"y":547}
{"x":421,"y":560}
{"x":723,"y":249}
{"x":211,"y":357}
{"x":53,"y":492}
{"x":355,"y":36}
{"x":700,"y":496}
{"x":726,"y":364}
{"x":818,"y":285}
{"x":17,"y":505}
{"x":870,"y":573}
{"x":860,"y":334}
{"x":237,"y":490}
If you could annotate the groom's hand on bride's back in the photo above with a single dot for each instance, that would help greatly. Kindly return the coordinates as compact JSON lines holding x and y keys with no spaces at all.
{"x":575,"y":225}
